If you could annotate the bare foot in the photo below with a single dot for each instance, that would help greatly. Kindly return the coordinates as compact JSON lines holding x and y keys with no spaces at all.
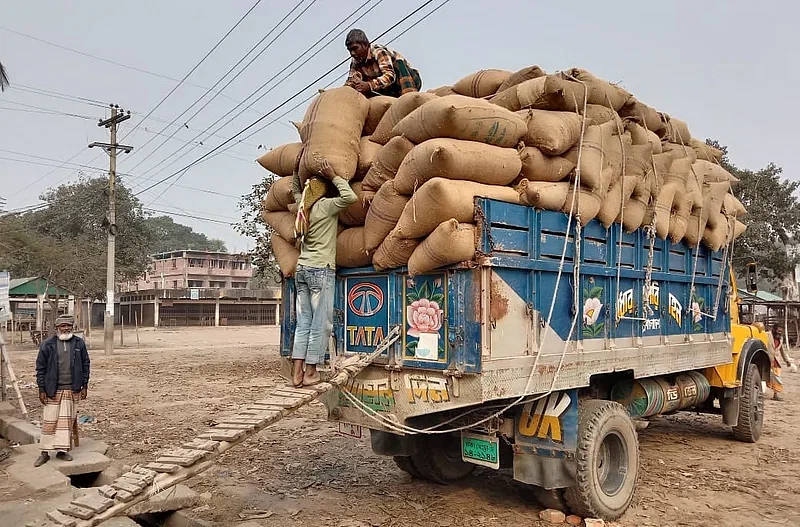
{"x":297,"y":372}
{"x":312,"y":376}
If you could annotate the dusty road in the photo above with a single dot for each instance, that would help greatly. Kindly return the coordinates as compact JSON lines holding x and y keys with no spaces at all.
{"x":303,"y":473}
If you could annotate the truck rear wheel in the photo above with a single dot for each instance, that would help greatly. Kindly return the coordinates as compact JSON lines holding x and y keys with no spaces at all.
{"x":751,"y":407}
{"x":406,"y":464}
{"x":607,"y":459}
{"x":439,"y":459}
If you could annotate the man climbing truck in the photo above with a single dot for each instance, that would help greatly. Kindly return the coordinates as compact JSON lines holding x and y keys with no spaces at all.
{"x":503,"y":363}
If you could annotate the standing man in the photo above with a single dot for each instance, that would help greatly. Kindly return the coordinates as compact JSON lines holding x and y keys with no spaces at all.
{"x":316,"y":226}
{"x":62,"y":373}
{"x":378,"y":70}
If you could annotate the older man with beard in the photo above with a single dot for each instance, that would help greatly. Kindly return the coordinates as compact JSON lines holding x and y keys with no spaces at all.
{"x":62,"y":373}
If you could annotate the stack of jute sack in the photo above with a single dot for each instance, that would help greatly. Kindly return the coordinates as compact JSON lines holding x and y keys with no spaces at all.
{"x":568,"y":142}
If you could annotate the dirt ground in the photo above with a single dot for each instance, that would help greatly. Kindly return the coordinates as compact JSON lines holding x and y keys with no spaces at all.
{"x":302,"y":472}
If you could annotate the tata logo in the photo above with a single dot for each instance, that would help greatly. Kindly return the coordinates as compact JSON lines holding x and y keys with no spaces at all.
{"x":365,"y":299}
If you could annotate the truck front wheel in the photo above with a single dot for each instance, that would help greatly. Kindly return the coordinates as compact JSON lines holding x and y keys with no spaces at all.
{"x":439,"y":459}
{"x":751,"y":407}
{"x":607,"y":459}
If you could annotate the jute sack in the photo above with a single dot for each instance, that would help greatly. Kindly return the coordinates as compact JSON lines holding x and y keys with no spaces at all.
{"x":713,"y":198}
{"x":387,"y":162}
{"x":600,"y":91}
{"x":595,"y":154}
{"x":441,"y":199}
{"x":460,"y":117}
{"x":641,"y":136}
{"x":557,"y":94}
{"x":402,"y":106}
{"x":378,"y":106}
{"x":481,"y":83}
{"x":552,"y":132}
{"x":450,"y":243}
{"x":286,"y":254}
{"x":520,"y":76}
{"x":637,"y":206}
{"x":706,"y":151}
{"x":615,"y":152}
{"x":281,"y":160}
{"x":538,"y":167}
{"x":384,"y":212}
{"x":393,"y":252}
{"x":681,"y":210}
{"x":282,"y":222}
{"x":677,"y":130}
{"x":350,"y":251}
{"x":543,"y":194}
{"x":733,"y":207}
{"x":334,"y":123}
{"x":367,"y":154}
{"x":647,"y":116}
{"x":509,"y":98}
{"x":443,"y":91}
{"x":633,"y":205}
{"x":602,"y":114}
{"x":715,"y":173}
{"x":588,"y":203}
{"x":673,"y":189}
{"x":715,"y":235}
{"x":694,"y":186}
{"x":680,"y":151}
{"x":356,"y":213}
{"x":455,"y":159}
{"x":617,"y":197}
{"x":279,"y":196}
{"x":738,"y":229}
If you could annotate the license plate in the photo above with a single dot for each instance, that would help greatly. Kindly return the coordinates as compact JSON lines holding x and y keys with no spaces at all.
{"x":351,"y":430}
{"x":480,"y":449}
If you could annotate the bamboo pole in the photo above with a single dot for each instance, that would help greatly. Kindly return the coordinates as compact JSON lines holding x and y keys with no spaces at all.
{"x":12,"y":377}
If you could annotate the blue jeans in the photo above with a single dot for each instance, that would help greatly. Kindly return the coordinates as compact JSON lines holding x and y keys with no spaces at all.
{"x":315,"y":288}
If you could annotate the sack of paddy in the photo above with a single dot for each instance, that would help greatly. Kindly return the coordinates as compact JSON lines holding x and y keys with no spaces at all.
{"x":552,"y":132}
{"x":443,"y":91}
{"x":642,"y":136}
{"x":637,"y":206}
{"x":714,"y":173}
{"x":441,"y":199}
{"x":378,"y":106}
{"x":394,"y":252}
{"x":367,"y":154}
{"x":520,"y":76}
{"x":350,"y":250}
{"x":281,"y":160}
{"x":587,"y":204}
{"x":602,"y":114}
{"x":617,"y":197}
{"x":333,"y":126}
{"x":387,"y":162}
{"x":647,"y":116}
{"x":601,"y":147}
{"x":282,"y":222}
{"x":680,"y":150}
{"x":717,"y":231}
{"x":550,"y":92}
{"x":706,"y":151}
{"x":460,"y":117}
{"x":681,"y":210}
{"x":538,"y":167}
{"x":677,"y":130}
{"x":732,"y":206}
{"x":713,"y":199}
{"x":286,"y":254}
{"x":450,"y":243}
{"x":279,"y":196}
{"x":600,"y":91}
{"x":543,"y":194}
{"x":402,"y":106}
{"x":456,"y":159}
{"x":674,"y":187}
{"x":356,"y":213}
{"x":383,"y":214}
{"x":481,"y":83}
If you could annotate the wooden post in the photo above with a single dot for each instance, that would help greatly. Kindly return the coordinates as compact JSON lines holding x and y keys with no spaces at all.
{"x":11,"y":376}
{"x":136,"y":322}
{"x":121,"y":329}
{"x":786,"y":326}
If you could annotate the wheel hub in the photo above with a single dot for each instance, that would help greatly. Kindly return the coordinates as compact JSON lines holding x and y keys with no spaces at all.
{"x":612,"y":464}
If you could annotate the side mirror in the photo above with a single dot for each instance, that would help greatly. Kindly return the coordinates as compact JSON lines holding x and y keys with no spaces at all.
{"x":751,"y":278}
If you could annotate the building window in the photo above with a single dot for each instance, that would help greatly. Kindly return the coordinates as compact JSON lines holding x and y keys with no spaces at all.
{"x":238,"y":266}
{"x":195,"y":283}
{"x":223,"y":264}
{"x":196,"y":262}
{"x":174,"y":263}
{"x":216,"y":283}
{"x":213,"y":264}
{"x":174,"y":284}
{"x":238,"y":285}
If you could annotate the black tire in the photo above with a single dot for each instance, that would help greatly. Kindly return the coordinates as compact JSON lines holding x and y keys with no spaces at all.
{"x":751,"y":407}
{"x":607,"y":459}
{"x":406,"y":464}
{"x":439,"y":459}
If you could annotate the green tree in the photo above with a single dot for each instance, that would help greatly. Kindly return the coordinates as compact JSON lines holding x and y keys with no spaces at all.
{"x":772,"y":219}
{"x":254,"y":226}
{"x":171,"y":236}
{"x":3,"y":77}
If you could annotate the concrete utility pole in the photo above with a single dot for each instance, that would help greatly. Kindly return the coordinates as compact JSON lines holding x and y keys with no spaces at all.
{"x":117,"y":116}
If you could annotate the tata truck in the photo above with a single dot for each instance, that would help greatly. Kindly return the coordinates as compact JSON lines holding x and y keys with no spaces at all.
{"x":543,"y":355}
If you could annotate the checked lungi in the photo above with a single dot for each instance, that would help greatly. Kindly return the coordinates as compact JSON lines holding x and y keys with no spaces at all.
{"x":57,"y":418}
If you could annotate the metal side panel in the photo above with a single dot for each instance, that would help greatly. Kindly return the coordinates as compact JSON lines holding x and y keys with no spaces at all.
{"x":510,"y":312}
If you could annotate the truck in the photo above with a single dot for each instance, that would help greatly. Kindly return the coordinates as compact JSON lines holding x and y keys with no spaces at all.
{"x":543,"y":355}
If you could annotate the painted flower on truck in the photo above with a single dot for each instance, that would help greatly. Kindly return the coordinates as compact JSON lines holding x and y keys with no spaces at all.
{"x":592,"y":310}
{"x":424,"y":316}
{"x":698,"y":303}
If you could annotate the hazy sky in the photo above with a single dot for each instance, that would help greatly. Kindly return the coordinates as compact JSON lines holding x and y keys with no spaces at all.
{"x":730,"y":69}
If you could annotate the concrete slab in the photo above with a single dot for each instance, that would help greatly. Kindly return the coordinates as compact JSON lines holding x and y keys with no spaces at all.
{"x":29,"y":512}
{"x":53,"y":474}
{"x":173,"y":499}
{"x":82,"y":463}
{"x":37,"y":478}
{"x":19,"y":430}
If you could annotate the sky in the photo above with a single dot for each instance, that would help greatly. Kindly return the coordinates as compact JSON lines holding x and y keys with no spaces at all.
{"x":729,"y":69}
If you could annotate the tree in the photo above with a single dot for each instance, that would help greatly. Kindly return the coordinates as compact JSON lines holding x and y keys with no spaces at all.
{"x":772,"y":219}
{"x":3,"y":78}
{"x":170,"y":236}
{"x":254,"y":226}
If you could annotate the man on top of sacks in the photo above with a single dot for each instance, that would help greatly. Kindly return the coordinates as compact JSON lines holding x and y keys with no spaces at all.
{"x":316,"y":227}
{"x":378,"y":70}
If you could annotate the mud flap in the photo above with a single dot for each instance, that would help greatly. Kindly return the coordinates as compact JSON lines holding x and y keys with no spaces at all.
{"x":545,"y":439}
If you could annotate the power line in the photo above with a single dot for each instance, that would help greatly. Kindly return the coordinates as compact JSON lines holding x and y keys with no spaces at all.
{"x":225,"y":75}
{"x":281,"y":105}
{"x":187,"y":216}
{"x":173,"y":155}
{"x":63,"y":96}
{"x":43,"y":111}
{"x":225,"y":36}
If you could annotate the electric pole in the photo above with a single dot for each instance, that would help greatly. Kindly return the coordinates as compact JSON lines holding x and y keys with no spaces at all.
{"x":117,"y":116}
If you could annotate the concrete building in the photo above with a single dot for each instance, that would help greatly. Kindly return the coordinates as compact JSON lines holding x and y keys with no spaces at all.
{"x":196,"y":288}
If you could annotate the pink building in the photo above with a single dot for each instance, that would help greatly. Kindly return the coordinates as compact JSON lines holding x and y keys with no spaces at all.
{"x":193,"y":269}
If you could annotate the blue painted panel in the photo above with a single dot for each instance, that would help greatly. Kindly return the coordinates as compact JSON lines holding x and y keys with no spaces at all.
{"x":288,"y":316}
{"x":366,"y":312}
{"x":549,"y":426}
{"x":511,"y":240}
